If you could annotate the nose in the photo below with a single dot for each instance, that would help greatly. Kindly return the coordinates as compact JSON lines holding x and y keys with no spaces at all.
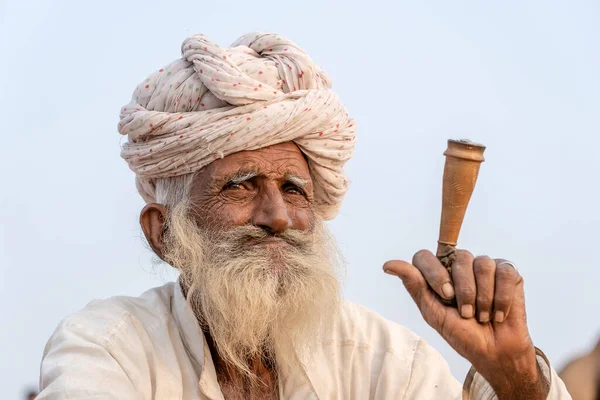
{"x":271,"y":212}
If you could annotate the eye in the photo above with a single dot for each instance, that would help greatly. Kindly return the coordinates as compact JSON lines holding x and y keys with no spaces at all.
{"x":292,"y":189}
{"x":235,"y":186}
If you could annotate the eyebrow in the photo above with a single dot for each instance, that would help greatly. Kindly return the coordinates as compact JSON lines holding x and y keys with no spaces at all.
{"x":296,"y":180}
{"x":245,"y":175}
{"x":241,"y":176}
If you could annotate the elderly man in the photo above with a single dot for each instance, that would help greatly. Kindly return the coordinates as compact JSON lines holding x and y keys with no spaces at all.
{"x":239,"y":155}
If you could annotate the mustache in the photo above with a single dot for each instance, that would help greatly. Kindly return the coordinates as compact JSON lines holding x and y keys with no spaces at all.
{"x":241,"y":235}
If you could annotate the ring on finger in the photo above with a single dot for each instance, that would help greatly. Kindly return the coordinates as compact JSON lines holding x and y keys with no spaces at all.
{"x":508,"y":263}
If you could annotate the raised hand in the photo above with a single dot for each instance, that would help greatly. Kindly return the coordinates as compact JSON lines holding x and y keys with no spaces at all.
{"x":489,"y":325}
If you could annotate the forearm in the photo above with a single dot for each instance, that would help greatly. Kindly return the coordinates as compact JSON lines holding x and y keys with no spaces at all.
{"x":476,"y":387}
{"x":517,"y":377}
{"x":525,"y":385}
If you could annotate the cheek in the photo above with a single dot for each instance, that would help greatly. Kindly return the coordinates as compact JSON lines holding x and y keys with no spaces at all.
{"x":218,"y":215}
{"x":302,"y":218}
{"x":300,"y":211}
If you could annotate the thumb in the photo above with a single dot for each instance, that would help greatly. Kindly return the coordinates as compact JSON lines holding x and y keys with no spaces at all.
{"x":411,"y":277}
{"x":432,"y":310}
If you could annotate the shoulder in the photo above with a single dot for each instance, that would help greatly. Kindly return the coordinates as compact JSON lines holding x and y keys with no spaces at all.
{"x":366,"y":325}
{"x":101,"y":320}
{"x":100,"y":350}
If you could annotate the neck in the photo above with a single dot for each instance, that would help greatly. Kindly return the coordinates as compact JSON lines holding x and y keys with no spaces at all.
{"x":237,"y":385}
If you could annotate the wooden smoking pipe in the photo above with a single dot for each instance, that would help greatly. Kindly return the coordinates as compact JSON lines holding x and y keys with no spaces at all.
{"x":463,"y":159}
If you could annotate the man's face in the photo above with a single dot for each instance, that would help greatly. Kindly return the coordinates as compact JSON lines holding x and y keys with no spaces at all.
{"x":270,"y":188}
{"x":257,"y":263}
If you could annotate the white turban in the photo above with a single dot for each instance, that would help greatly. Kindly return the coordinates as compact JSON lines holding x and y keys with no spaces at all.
{"x":261,"y":91}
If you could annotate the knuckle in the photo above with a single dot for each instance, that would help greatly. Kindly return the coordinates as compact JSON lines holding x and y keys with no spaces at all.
{"x":484,"y":298}
{"x":431,"y":269}
{"x":484,"y":264}
{"x":484,"y":303}
{"x":502,"y":301}
{"x":462,"y":267}
{"x":437,"y":277}
{"x":420,"y":256}
{"x":439,"y":274}
{"x":466,"y":294}
{"x":506,"y":273}
{"x":464,"y":256}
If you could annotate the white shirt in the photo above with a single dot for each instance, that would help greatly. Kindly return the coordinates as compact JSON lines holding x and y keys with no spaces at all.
{"x":151,"y":347}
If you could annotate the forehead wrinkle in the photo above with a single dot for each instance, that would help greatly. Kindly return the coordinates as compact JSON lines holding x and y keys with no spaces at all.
{"x":269,"y":167}
{"x":229,"y":172}
{"x":272,"y":165}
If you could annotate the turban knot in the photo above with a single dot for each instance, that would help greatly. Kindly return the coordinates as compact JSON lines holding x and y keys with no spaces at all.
{"x":214,"y":101}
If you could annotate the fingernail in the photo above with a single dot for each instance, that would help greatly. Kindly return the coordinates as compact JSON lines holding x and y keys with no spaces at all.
{"x":448,"y":290}
{"x":466,"y":311}
{"x":387,"y":271}
{"x":499,"y":317}
{"x":484,"y":316}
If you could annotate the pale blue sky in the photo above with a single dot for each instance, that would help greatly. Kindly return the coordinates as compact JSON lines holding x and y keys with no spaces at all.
{"x":518,"y":76}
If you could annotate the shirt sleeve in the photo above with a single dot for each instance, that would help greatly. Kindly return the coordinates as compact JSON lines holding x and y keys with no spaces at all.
{"x":78,"y":364}
{"x":431,"y":379}
{"x":477,"y":388}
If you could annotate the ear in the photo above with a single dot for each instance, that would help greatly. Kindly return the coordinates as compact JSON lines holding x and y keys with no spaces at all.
{"x":152,"y":220}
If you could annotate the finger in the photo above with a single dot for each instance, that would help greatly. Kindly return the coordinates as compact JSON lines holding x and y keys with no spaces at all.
{"x":464,"y":283}
{"x":507,"y":279}
{"x":484,"y":269}
{"x":433,"y":311}
{"x":434,"y":272}
{"x":518,"y":314}
{"x":411,"y":277}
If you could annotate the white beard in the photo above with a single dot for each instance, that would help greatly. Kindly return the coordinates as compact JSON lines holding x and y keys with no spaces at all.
{"x":257,"y":301}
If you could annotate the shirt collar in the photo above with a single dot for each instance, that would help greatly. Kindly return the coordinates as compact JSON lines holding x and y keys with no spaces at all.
{"x":291,"y":382}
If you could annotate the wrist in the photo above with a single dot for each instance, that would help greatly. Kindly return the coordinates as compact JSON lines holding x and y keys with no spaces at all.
{"x":517,"y":378}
